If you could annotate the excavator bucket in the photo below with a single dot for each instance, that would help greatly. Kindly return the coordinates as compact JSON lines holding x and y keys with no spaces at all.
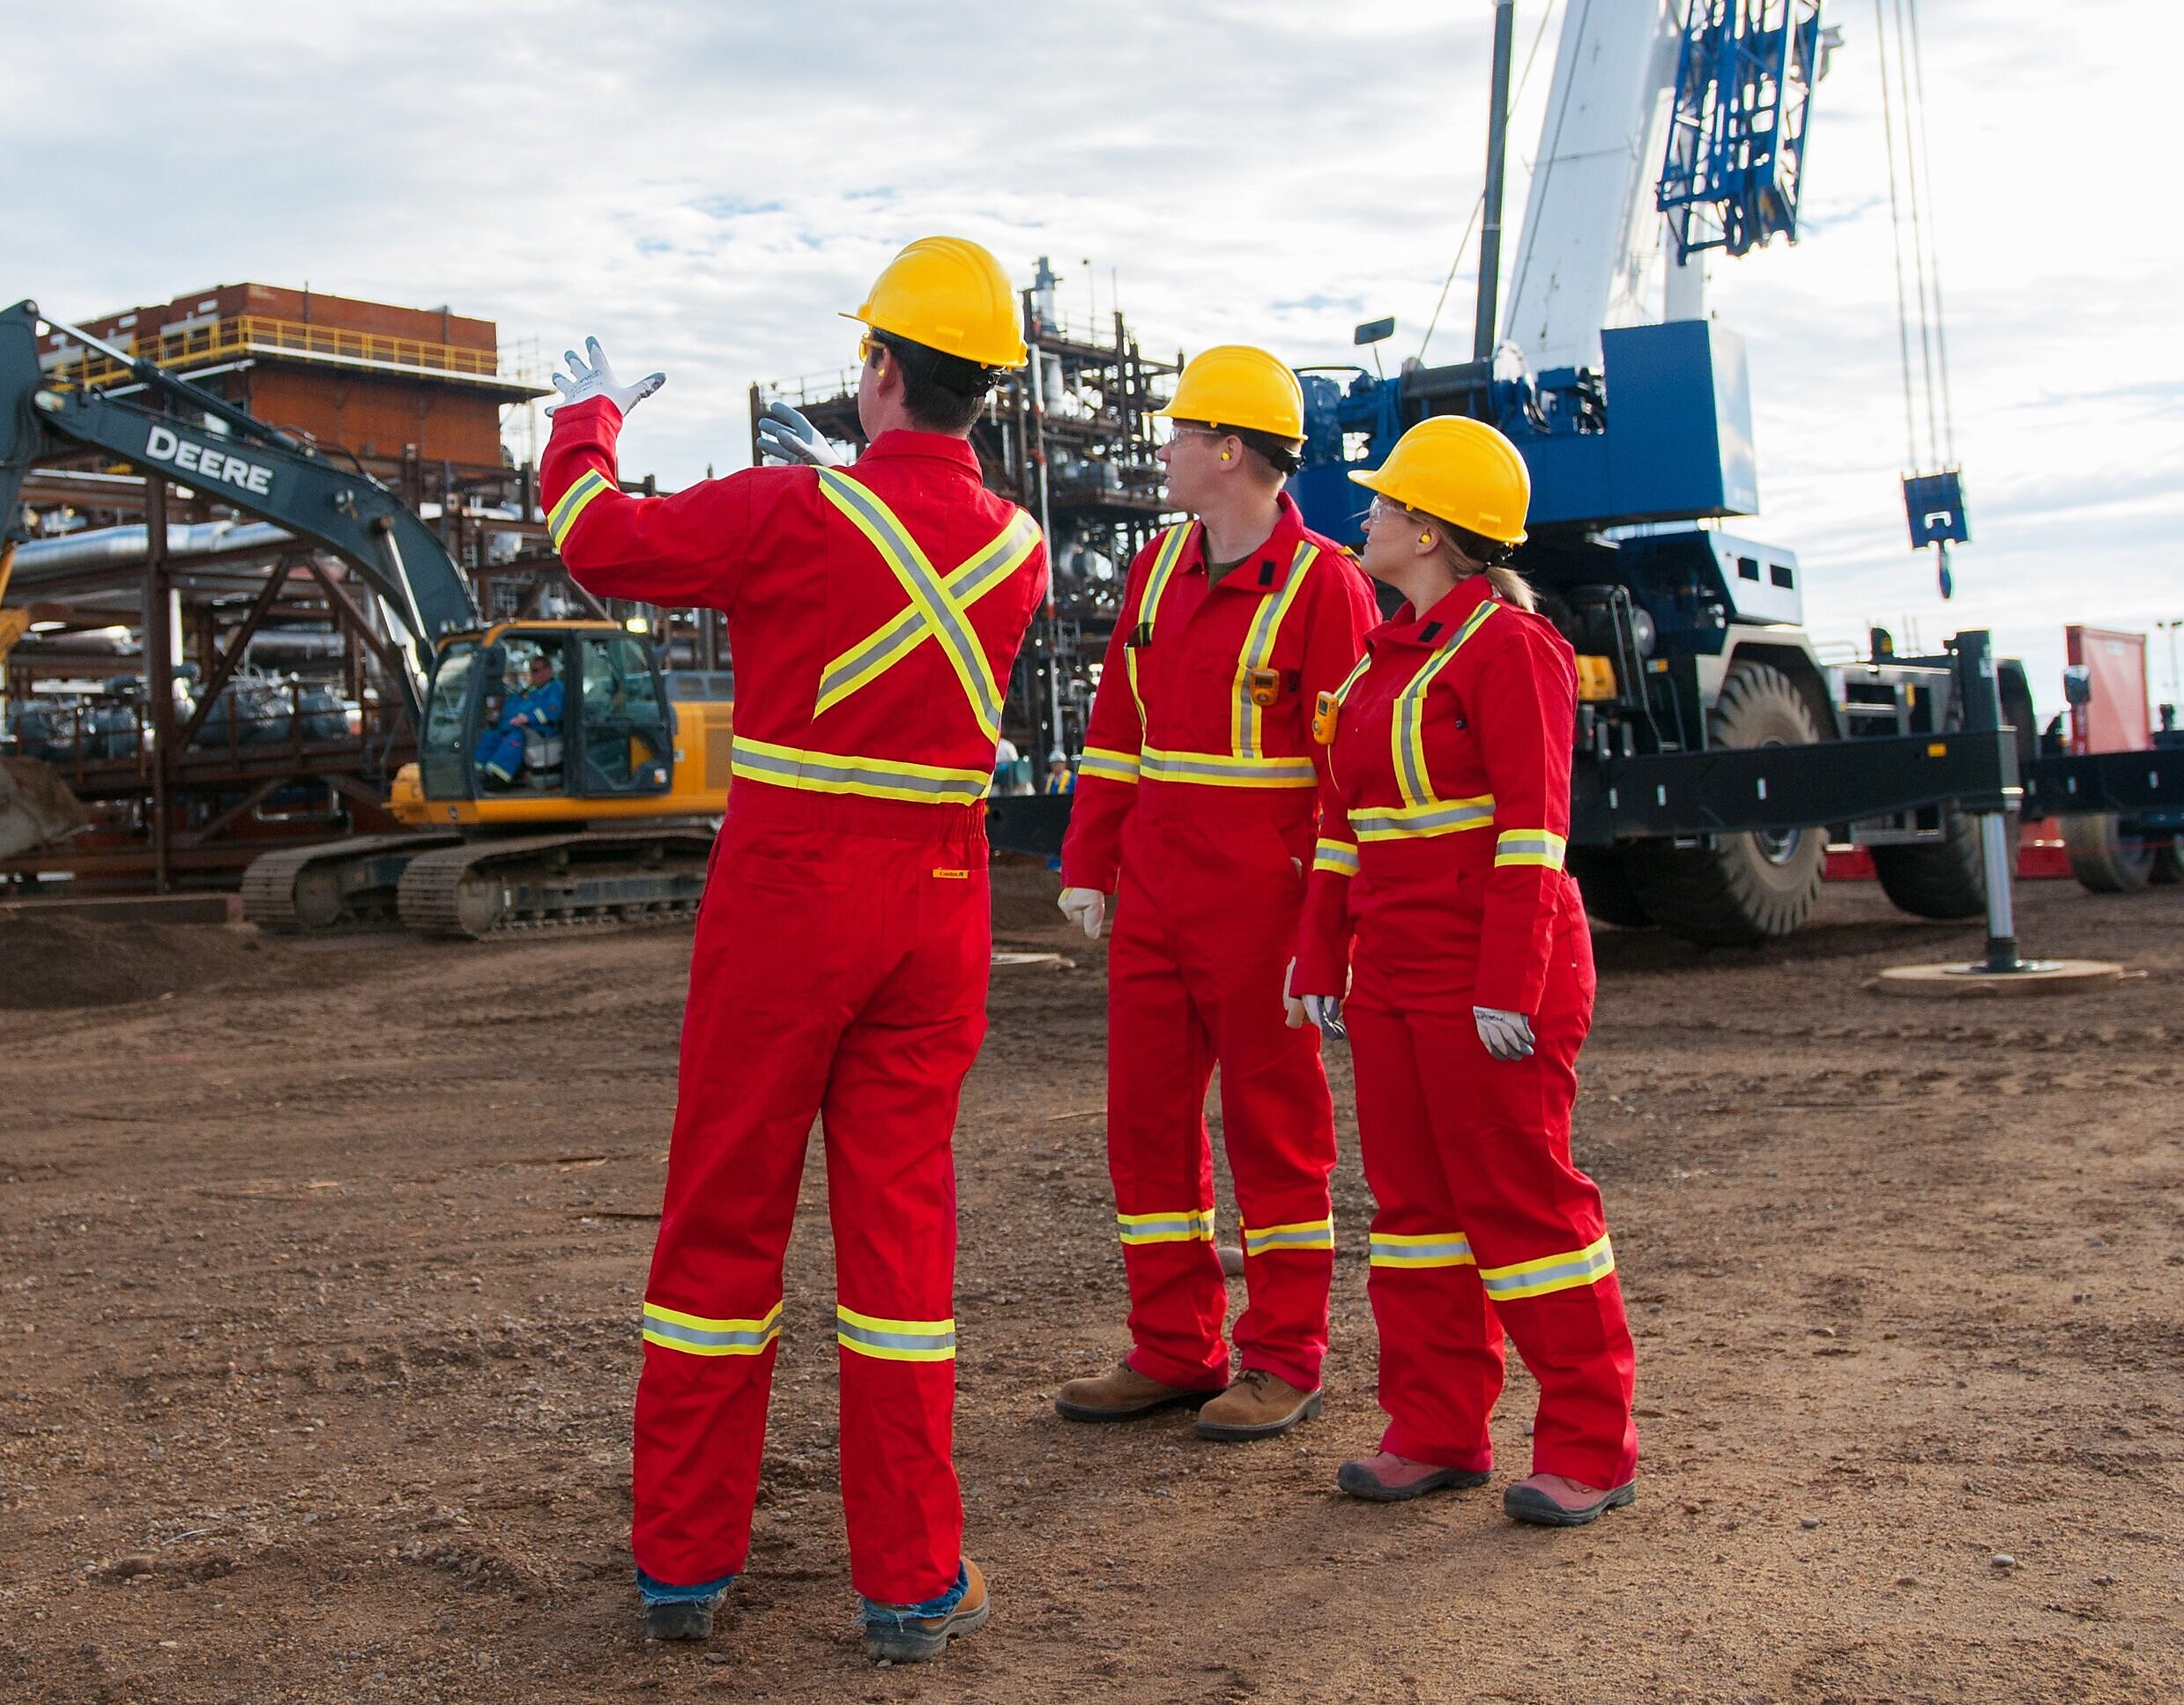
{"x":36,"y":808}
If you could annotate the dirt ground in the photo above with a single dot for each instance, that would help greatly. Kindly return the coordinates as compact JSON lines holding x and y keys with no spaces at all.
{"x":319,"y":1281}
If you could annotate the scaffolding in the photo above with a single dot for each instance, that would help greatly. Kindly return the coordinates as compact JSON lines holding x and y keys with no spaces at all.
{"x":1070,"y":437}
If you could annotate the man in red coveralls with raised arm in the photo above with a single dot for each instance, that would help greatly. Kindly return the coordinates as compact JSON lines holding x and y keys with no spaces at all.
{"x":1195,"y":807}
{"x":843,"y":948}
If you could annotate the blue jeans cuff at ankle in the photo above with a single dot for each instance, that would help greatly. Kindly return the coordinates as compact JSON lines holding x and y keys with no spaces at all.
{"x":659,"y":1592}
{"x":894,"y":1615}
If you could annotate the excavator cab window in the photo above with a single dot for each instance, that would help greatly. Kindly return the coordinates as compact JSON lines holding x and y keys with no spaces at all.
{"x":450,"y":717}
{"x":621,"y":724}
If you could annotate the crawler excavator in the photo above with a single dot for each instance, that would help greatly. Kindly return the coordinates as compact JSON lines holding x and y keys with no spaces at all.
{"x":612,"y":820}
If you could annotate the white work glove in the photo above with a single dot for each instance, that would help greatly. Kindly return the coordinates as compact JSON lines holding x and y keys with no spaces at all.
{"x":787,"y":436}
{"x":1323,"y":1012}
{"x":583,"y":382}
{"x":1507,"y":1036}
{"x":1085,"y":908}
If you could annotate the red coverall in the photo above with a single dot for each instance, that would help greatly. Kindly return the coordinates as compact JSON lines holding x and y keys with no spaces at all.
{"x":1450,"y":801}
{"x":840,"y":967}
{"x":1197,"y":793}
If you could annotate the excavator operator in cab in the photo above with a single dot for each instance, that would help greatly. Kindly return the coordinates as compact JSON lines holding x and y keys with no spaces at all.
{"x":532,"y":712}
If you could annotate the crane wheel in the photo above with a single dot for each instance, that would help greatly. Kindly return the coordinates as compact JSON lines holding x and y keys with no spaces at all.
{"x":2103,"y":858}
{"x":1732,"y":890}
{"x":1945,"y":878}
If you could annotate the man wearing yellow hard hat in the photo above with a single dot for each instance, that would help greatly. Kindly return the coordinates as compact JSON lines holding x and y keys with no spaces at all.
{"x":840,"y":963}
{"x":1196,"y":807}
{"x":1449,"y":798}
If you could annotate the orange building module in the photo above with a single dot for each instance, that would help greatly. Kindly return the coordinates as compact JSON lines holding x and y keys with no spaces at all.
{"x":388,"y":384}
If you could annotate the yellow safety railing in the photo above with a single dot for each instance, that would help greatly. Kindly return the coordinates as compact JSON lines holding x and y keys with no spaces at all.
{"x":242,"y":334}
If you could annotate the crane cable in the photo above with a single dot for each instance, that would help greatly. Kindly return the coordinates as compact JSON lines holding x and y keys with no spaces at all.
{"x":1932,"y":243}
{"x":1479,"y":206}
{"x":1903,"y":104}
{"x":1896,"y":235}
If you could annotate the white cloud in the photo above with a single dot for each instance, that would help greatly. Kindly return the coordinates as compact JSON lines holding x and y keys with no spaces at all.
{"x":704,"y":186}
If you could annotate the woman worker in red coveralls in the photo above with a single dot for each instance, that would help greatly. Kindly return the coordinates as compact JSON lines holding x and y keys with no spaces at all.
{"x":1449,"y":807}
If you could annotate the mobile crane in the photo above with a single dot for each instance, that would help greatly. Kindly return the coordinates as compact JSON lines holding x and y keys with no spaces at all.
{"x":613,"y":820}
{"x":1685,"y":121}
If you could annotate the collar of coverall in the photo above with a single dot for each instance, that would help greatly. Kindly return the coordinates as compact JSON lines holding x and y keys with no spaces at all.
{"x":1406,"y":626}
{"x":1266,"y":569}
{"x":939,"y":446}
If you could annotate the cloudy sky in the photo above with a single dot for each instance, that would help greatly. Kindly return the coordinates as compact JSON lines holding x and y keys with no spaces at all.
{"x":703,"y":186}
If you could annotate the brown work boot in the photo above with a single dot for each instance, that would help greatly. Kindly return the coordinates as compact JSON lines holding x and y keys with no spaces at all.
{"x":1124,"y":1394}
{"x":1259,"y":1405}
{"x":913,"y":1634}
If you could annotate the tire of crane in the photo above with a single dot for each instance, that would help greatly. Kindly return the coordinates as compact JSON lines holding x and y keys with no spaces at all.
{"x":1604,"y":879}
{"x":2103,"y":858}
{"x":1732,"y":890}
{"x":2168,"y":866}
{"x":1945,"y":878}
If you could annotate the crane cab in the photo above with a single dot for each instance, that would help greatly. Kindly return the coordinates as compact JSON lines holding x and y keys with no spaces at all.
{"x":549,"y":722}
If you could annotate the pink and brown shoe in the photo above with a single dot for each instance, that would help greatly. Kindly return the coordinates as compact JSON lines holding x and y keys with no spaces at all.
{"x":1388,"y":1479}
{"x":1557,"y":1501}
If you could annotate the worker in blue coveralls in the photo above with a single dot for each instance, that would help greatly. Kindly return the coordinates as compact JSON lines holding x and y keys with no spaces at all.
{"x":536,"y":709}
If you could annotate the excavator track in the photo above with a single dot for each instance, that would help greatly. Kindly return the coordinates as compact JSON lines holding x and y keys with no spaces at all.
{"x":586,"y":879}
{"x":334,"y":885}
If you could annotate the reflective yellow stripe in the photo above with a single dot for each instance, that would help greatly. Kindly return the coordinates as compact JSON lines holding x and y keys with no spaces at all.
{"x":698,"y":1335}
{"x":1115,"y":765}
{"x":1351,"y":679}
{"x":895,"y":1340}
{"x":1156,"y":578}
{"x":1407,"y":732}
{"x":871,"y":657}
{"x":1337,"y":856}
{"x":1550,"y":1273}
{"x":1222,"y":770}
{"x":1246,"y":718}
{"x":574,"y":502}
{"x":1421,"y":1249}
{"x":1303,"y":1234}
{"x":1176,"y":1226}
{"x":947,"y":618}
{"x":1411,"y":822}
{"x":1530,"y":847}
{"x":879,"y":778}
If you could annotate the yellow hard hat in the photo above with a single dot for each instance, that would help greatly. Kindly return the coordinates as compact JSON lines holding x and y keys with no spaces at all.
{"x":1236,"y":385}
{"x":950,"y":295}
{"x":1461,"y":470}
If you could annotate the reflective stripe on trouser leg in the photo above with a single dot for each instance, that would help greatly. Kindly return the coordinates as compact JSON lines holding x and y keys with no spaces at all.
{"x":1167,"y":1225}
{"x":890,"y":1117}
{"x":1440,"y":1347}
{"x":1160,"y":1058}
